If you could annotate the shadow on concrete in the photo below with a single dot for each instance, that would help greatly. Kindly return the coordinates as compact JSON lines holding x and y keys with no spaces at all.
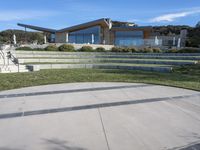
{"x":7,"y":148}
{"x":57,"y":144}
{"x":191,"y":146}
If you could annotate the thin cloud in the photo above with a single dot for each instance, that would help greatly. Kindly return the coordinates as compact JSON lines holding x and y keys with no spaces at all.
{"x":173,"y":16}
{"x":23,"y":14}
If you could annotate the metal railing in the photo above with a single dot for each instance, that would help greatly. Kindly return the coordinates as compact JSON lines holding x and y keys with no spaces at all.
{"x":11,"y":57}
{"x":3,"y":58}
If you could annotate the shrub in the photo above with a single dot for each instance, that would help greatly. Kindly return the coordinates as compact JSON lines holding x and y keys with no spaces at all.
{"x":86,"y":49}
{"x":38,"y":49}
{"x":157,"y":50}
{"x":172,"y":51}
{"x":66,"y":48}
{"x":147,"y":50}
{"x":134,"y":49}
{"x":116,"y":49}
{"x":187,"y":50}
{"x":51,"y":48}
{"x":24,"y":48}
{"x":100,"y":49}
{"x":126,"y":50}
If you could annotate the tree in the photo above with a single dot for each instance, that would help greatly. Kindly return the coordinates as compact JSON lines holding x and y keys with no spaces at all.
{"x":7,"y":36}
{"x":198,"y":25}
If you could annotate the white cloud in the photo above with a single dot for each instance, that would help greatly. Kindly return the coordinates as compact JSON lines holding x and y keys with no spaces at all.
{"x":173,"y":16}
{"x":23,"y":14}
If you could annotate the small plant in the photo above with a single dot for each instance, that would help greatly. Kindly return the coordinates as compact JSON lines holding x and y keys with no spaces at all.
{"x":187,"y":50}
{"x":134,"y":49}
{"x":116,"y":49}
{"x":127,"y":50}
{"x":147,"y":50}
{"x":24,"y":48}
{"x":86,"y":49}
{"x":157,"y":50}
{"x":100,"y":49}
{"x":66,"y":48}
{"x":172,"y":51}
{"x":38,"y":49}
{"x":51,"y":48}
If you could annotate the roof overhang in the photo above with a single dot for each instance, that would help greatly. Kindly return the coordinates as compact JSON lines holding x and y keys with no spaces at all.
{"x":131,"y":28}
{"x":103,"y":22}
{"x":37,"y":28}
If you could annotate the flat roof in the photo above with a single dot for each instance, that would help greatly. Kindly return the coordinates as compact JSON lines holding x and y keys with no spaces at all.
{"x":131,"y":28}
{"x":37,"y":28}
{"x":103,"y":21}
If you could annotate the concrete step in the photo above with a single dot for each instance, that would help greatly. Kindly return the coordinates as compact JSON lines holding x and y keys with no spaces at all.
{"x":13,"y":69}
{"x":42,"y":53}
{"x":111,"y":60}
{"x":109,"y":56}
{"x":158,"y":68}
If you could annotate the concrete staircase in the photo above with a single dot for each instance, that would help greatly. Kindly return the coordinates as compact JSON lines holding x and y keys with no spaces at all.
{"x":9,"y":63}
{"x":13,"y":69}
{"x":160,"y":62}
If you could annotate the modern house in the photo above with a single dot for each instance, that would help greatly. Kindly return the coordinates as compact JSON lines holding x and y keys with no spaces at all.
{"x":104,"y":31}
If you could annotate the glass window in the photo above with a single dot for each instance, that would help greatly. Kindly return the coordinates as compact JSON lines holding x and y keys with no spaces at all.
{"x":129,"y":38}
{"x":86,"y":36}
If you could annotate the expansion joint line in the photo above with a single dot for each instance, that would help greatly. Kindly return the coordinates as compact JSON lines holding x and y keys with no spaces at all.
{"x":103,"y":127}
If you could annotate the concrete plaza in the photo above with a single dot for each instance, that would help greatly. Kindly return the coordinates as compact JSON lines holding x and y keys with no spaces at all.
{"x":100,"y":116}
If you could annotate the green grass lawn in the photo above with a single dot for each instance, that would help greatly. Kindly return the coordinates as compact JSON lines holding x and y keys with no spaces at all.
{"x":185,"y":77}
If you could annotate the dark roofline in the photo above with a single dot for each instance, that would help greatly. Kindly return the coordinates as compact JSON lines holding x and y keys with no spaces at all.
{"x":37,"y":28}
{"x":132,"y":27}
{"x":87,"y":24}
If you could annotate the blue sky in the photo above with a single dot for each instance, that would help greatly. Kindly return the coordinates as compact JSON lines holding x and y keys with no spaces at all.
{"x":59,"y":14}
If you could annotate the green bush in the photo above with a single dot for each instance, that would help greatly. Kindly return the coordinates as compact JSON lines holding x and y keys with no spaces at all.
{"x":124,"y":49}
{"x":121,"y":49}
{"x":187,"y":50}
{"x":100,"y":49}
{"x":51,"y":48}
{"x":134,"y":49}
{"x":147,"y":50}
{"x":172,"y":51}
{"x":38,"y":49}
{"x":116,"y":49}
{"x":86,"y":49}
{"x":66,"y":48}
{"x":157,"y":50}
{"x":24,"y":48}
{"x":127,"y":49}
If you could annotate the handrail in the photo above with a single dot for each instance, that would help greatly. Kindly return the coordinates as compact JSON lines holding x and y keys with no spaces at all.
{"x":3,"y":56}
{"x":11,"y":57}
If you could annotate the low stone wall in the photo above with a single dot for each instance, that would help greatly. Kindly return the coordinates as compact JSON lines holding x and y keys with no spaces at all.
{"x":99,"y":60}
{"x":76,"y":46}
{"x":102,"y":66}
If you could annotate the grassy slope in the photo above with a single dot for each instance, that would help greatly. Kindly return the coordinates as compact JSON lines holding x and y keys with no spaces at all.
{"x":185,"y":77}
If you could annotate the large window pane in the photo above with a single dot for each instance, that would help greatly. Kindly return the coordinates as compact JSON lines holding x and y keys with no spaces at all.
{"x":129,"y":38}
{"x":85,"y":36}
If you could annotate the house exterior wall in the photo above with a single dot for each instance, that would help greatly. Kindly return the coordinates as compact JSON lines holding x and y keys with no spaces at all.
{"x":60,"y":37}
{"x":107,"y":36}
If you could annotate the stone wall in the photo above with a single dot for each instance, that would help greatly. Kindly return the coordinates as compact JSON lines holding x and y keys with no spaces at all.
{"x":77,"y":46}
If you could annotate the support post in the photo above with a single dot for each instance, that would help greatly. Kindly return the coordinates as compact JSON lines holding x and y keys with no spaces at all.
{"x":67,"y":37}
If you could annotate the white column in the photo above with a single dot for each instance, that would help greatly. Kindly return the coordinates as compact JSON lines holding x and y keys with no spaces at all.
{"x":92,"y":38}
{"x":174,"y":41}
{"x":156,"y":41}
{"x":45,"y":39}
{"x":67,"y":37}
{"x":179,"y":43}
{"x":14,"y":39}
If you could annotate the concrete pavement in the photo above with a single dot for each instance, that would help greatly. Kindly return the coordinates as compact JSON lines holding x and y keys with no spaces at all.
{"x":100,"y":116}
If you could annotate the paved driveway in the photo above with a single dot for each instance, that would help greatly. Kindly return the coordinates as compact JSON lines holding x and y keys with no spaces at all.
{"x":100,"y":116}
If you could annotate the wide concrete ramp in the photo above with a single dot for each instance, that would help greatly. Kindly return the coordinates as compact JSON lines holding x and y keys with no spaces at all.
{"x":100,"y":116}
